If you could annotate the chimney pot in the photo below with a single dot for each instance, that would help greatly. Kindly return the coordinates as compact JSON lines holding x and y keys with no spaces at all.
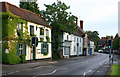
{"x":81,"y":24}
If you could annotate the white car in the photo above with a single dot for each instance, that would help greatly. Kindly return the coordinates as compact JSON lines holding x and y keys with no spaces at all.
{"x":100,"y":51}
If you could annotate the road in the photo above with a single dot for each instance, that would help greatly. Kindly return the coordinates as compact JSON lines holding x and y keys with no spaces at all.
{"x":79,"y":66}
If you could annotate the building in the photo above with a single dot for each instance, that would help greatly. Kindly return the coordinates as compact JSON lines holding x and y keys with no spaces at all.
{"x":92,"y":47}
{"x":73,"y":43}
{"x":19,"y":26}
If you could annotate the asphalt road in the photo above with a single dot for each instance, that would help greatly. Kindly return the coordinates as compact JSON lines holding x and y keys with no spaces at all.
{"x":80,"y":66}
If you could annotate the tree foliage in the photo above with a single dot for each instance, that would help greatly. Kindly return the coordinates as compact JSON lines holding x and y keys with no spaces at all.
{"x":94,"y":36}
{"x":60,"y":20}
{"x":30,"y":5}
{"x":115,"y":44}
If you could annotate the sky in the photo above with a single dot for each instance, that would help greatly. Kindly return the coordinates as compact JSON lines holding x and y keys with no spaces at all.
{"x":98,"y":15}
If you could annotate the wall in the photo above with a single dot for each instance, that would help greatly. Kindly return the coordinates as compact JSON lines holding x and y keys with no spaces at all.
{"x":38,"y":48}
{"x":73,"y":45}
{"x":92,"y":46}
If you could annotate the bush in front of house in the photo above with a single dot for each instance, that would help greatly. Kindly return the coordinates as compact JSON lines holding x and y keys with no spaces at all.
{"x":22,"y":58}
{"x":11,"y":58}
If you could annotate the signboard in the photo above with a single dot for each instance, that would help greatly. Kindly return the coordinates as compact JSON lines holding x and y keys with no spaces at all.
{"x":38,"y":51}
{"x":6,"y":51}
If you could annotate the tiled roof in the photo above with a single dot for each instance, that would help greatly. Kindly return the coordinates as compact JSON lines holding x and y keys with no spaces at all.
{"x":24,"y":14}
{"x":79,"y":31}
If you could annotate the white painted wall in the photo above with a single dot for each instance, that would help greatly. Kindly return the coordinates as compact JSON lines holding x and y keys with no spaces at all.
{"x":73,"y":45}
{"x":92,"y":46}
{"x":38,"y":48}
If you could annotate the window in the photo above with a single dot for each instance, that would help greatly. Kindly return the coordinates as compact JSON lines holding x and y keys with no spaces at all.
{"x":80,"y":49}
{"x":77,"y":39}
{"x":41,"y":31}
{"x":31,"y":30}
{"x":47,"y":32}
{"x":19,"y":27}
{"x":74,"y":48}
{"x":67,"y":37}
{"x":36,"y":28}
{"x":45,"y":47}
{"x":21,"y":49}
{"x":80,"y":40}
{"x":74,"y":39}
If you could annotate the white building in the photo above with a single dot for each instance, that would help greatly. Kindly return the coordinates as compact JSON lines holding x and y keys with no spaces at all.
{"x":92,"y":47}
{"x":73,"y":43}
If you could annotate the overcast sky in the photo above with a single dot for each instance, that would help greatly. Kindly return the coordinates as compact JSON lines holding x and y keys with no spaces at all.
{"x":98,"y":15}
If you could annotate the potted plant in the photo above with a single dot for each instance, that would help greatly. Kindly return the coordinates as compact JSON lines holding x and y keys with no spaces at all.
{"x":41,"y":39}
{"x":45,"y":53}
{"x":48,"y":38}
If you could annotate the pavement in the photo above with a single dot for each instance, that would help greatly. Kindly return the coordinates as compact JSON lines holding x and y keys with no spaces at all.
{"x":92,"y":66}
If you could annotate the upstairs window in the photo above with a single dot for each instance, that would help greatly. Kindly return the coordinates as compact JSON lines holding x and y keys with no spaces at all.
{"x":77,"y":39}
{"x":47,"y":32}
{"x":31,"y":30}
{"x":19,"y":26}
{"x":74,"y":39}
{"x":67,"y":37}
{"x":41,"y":31}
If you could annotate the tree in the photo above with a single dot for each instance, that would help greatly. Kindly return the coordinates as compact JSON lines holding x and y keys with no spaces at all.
{"x":115,"y":44}
{"x":94,"y":37}
{"x":60,"y":20}
{"x":30,"y":5}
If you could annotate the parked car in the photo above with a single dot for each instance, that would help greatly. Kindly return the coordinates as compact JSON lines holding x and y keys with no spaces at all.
{"x":100,"y":51}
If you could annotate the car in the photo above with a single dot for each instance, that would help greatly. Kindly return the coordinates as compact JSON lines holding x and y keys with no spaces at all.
{"x":100,"y":51}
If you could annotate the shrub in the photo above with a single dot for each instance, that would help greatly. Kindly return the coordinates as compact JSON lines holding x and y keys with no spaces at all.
{"x":11,"y":58}
{"x":41,"y":39}
{"x":45,"y":53}
{"x":48,"y":39}
{"x":55,"y":55}
{"x":22,"y":58}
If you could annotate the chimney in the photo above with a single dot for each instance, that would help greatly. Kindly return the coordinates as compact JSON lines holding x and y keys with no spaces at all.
{"x":76,"y":21}
{"x":81,"y":24}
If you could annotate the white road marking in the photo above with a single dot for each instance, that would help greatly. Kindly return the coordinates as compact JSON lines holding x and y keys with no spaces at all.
{"x":53,"y":71}
{"x":104,"y":62}
{"x":4,"y":74}
{"x":50,"y":73}
{"x":87,"y":72}
{"x":11,"y":72}
{"x":17,"y":71}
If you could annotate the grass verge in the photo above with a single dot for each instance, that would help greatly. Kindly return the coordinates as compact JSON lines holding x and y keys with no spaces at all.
{"x":115,"y":70}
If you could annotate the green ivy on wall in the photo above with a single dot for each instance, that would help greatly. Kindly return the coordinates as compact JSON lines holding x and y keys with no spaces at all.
{"x":9,"y":33}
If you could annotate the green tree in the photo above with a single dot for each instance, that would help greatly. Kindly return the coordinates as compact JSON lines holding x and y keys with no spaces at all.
{"x":115,"y":44}
{"x":60,"y":20}
{"x":94,"y":36}
{"x":30,"y":5}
